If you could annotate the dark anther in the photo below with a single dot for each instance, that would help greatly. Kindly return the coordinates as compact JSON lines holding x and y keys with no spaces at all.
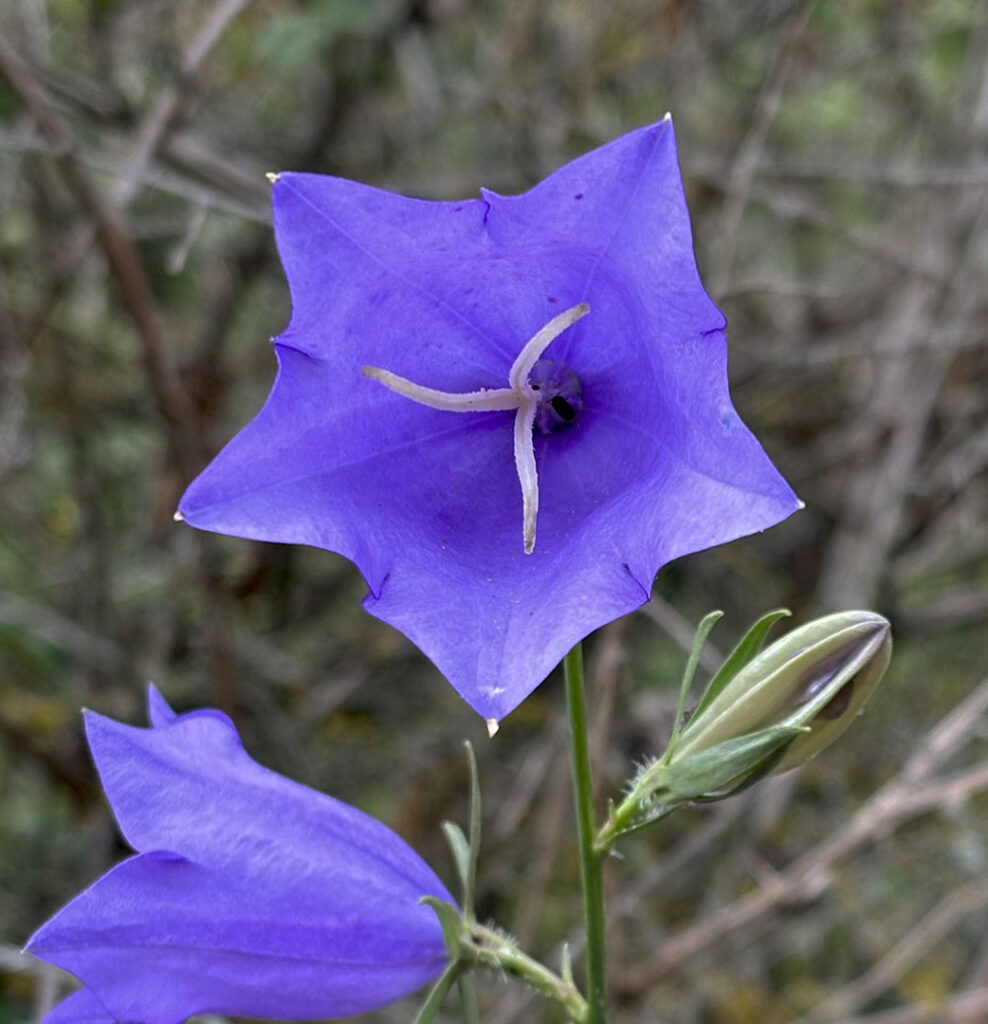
{"x":536,"y":387}
{"x":563,"y":409}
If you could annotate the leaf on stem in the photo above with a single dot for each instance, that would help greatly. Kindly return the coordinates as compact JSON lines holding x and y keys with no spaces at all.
{"x":702,"y":632}
{"x":748,"y":646}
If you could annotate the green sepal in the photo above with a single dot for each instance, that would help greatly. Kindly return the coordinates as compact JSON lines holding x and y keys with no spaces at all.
{"x":706,"y":773}
{"x":702,"y":632}
{"x":748,"y":646}
{"x":438,"y":992}
{"x":466,"y":851}
{"x":452,"y":924}
{"x":764,"y":769}
{"x":459,"y":848}
{"x":649,"y":816}
{"x":566,"y":964}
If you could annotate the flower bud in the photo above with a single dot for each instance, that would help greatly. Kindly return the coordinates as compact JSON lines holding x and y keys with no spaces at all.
{"x":815,"y":679}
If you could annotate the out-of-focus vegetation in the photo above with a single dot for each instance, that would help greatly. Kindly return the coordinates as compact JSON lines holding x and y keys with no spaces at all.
{"x":836,"y":159}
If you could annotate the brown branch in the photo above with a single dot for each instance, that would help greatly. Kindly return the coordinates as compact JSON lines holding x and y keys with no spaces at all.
{"x":171,"y":102}
{"x":679,"y":629}
{"x":932,"y":928}
{"x":965,"y":1008}
{"x":605,"y":676}
{"x":745,"y":165}
{"x":121,"y":255}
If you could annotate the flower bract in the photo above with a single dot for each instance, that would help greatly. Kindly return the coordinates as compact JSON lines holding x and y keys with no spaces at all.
{"x":531,"y":501}
{"x":249,"y":895}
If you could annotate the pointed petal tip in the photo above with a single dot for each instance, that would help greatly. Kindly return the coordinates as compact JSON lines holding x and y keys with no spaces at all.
{"x":160,"y":712}
{"x":178,"y":517}
{"x":272,"y":176}
{"x":493,"y":725}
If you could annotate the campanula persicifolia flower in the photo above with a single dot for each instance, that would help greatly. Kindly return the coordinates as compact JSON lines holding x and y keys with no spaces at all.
{"x":249,"y":894}
{"x":509,"y":412}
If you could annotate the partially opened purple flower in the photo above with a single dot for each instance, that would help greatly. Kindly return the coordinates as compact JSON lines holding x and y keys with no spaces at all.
{"x":508,"y":411}
{"x":249,"y":895}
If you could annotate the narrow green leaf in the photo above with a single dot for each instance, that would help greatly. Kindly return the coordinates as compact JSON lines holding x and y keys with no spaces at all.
{"x":566,"y":964}
{"x":709,"y":771}
{"x":460,"y":849}
{"x":748,"y":646}
{"x":437,"y":994}
{"x":702,"y":632}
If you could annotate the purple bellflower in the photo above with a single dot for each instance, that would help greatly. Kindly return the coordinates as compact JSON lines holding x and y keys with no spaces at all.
{"x":509,"y":412}
{"x":249,"y":894}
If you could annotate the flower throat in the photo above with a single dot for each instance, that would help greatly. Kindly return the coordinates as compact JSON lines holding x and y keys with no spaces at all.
{"x":544,"y":395}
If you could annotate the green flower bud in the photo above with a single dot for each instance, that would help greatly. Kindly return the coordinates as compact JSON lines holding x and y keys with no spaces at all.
{"x":761,"y":713}
{"x":815,"y":679}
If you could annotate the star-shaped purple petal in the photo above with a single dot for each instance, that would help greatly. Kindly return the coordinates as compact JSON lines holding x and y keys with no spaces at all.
{"x":648,"y":460}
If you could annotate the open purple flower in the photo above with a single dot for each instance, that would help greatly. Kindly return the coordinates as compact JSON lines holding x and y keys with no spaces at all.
{"x":508,"y":411}
{"x":249,"y":895}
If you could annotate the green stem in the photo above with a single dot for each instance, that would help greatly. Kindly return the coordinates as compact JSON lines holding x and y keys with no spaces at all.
{"x":621,"y":820}
{"x":591,"y":862}
{"x":489,"y":948}
{"x":468,"y":999}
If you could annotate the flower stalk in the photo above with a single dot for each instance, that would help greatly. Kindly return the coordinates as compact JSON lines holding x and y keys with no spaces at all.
{"x":486,"y":947}
{"x":591,"y":861}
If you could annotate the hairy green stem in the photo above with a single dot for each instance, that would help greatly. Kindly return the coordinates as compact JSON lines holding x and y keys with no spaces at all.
{"x":621,"y":818}
{"x":489,"y":948}
{"x":591,"y":861}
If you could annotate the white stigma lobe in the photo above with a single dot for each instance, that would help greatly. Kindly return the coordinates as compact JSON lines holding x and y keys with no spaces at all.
{"x":519,"y":396}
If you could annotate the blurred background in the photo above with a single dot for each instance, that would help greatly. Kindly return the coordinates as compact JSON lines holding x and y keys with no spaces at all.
{"x":836,"y":161}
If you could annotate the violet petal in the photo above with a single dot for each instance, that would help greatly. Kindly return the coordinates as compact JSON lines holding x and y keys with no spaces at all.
{"x":160,"y":938}
{"x":656,"y":465}
{"x":250,"y":895}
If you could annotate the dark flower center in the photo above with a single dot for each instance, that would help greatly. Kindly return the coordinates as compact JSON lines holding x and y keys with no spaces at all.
{"x":560,"y":396}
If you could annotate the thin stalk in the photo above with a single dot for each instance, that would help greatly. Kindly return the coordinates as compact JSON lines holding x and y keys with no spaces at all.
{"x":489,"y":948}
{"x":591,"y":862}
{"x":468,"y":999}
